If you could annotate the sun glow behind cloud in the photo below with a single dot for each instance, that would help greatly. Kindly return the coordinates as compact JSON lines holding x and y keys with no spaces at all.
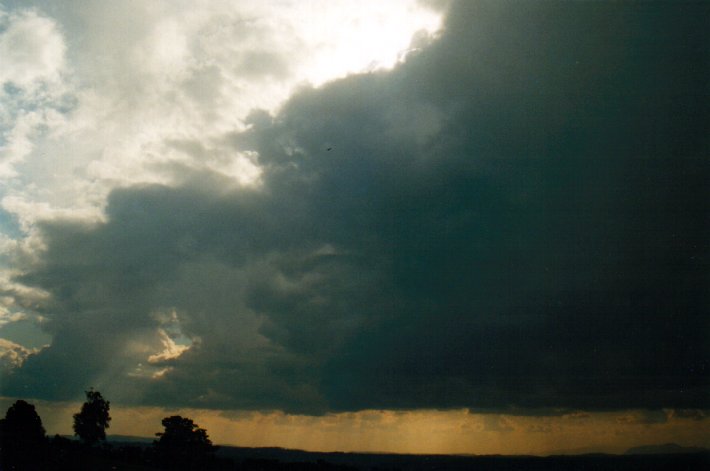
{"x":121,"y":84}
{"x":356,"y":42}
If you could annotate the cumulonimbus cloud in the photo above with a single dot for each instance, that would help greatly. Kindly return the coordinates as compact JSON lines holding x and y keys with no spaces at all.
{"x":513,"y":218}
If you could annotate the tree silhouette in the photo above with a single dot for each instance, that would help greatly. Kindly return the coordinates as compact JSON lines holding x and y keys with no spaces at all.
{"x":183,"y":445}
{"x":91,"y":422}
{"x":22,"y":439}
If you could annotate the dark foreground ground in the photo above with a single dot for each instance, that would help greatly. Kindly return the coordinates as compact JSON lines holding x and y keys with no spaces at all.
{"x":278,"y":459}
{"x":136,"y":456}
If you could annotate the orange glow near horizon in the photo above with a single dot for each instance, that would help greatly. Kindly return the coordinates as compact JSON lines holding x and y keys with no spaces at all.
{"x":416,"y":431}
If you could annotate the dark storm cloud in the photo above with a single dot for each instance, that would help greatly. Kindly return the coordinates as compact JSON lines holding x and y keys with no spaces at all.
{"x":238,"y":273}
{"x":514,"y":218}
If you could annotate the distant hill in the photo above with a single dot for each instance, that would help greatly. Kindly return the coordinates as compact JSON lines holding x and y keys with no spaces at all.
{"x":280,"y":458}
{"x":129,"y":439}
{"x":664,"y":449}
{"x":136,"y":454}
{"x":588,"y":450}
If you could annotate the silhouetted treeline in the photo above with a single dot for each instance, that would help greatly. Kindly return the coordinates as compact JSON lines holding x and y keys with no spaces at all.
{"x":22,"y":437}
{"x":24,"y":445}
{"x":183,"y":445}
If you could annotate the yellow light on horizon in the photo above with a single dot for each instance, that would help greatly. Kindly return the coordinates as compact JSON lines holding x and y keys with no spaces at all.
{"x":409,"y":431}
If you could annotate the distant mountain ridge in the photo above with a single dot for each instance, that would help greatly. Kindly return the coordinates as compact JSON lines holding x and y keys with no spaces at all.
{"x":129,"y":440}
{"x":664,"y":449}
{"x":135,"y":451}
{"x":297,"y":455}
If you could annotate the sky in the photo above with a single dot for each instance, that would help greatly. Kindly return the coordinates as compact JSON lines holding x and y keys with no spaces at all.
{"x":412,"y":226}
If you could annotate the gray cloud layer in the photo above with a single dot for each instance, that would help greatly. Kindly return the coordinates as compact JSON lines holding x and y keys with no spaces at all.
{"x":515,"y":217}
